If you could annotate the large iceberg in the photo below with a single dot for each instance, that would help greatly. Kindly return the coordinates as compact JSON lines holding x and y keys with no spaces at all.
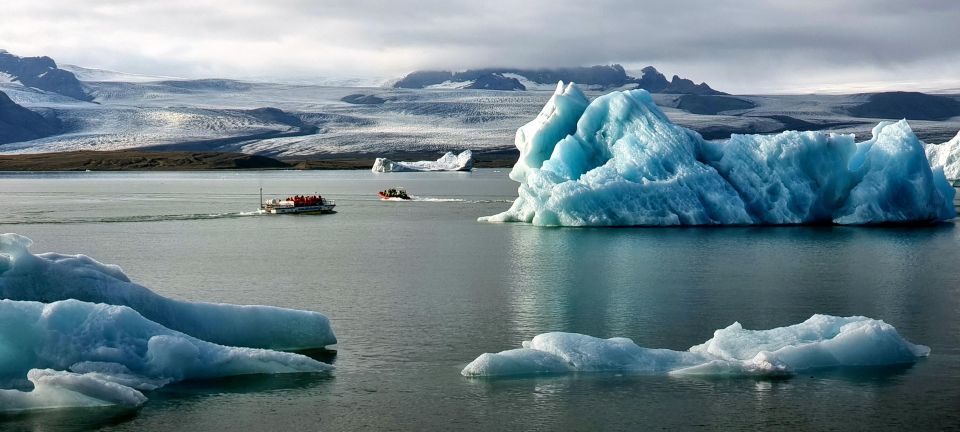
{"x":620,"y":161}
{"x":822,"y":341}
{"x":111,"y":353}
{"x":947,"y":156}
{"x":447,"y":162}
{"x":50,"y":277}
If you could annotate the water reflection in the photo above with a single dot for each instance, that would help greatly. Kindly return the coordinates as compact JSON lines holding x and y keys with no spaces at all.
{"x":67,"y":419}
{"x":634,"y":282}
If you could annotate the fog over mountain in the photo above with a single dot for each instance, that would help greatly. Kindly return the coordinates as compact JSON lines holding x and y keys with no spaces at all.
{"x":739,"y":46}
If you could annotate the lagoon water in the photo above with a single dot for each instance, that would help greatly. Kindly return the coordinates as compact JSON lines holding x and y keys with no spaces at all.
{"x":415,"y":290}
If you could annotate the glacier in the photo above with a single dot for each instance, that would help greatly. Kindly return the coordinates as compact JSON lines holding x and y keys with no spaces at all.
{"x":822,"y":341}
{"x":50,"y":277}
{"x":79,"y":354}
{"x":947,"y":156}
{"x":447,"y":162}
{"x":619,"y":161}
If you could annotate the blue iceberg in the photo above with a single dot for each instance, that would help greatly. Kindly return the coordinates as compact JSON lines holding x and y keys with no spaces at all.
{"x":619,"y":161}
{"x":51,"y":277}
{"x":77,"y":354}
{"x":76,"y":333}
{"x":823,"y":341}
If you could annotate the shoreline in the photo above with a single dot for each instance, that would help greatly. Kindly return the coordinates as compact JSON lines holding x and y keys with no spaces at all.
{"x":140,"y":160}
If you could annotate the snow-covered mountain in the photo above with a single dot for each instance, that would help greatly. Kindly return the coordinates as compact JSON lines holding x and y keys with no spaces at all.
{"x":303,"y":120}
{"x":41,"y":73}
{"x":92,"y":74}
{"x":601,"y":77}
{"x":20,"y":124}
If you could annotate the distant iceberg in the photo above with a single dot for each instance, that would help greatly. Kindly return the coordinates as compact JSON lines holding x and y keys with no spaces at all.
{"x":620,"y":161}
{"x":111,"y":353}
{"x":447,"y":162}
{"x":50,"y":277}
{"x":820,"y":342}
{"x":947,"y":156}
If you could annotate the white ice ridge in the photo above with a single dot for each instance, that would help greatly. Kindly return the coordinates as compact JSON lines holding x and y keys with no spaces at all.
{"x":51,"y":277}
{"x":946,"y":155}
{"x":447,"y":162}
{"x":820,"y":342}
{"x":111,"y":353}
{"x":620,"y":161}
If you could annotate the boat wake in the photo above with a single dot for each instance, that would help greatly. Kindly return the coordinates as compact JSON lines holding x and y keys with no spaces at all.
{"x":136,"y":218}
{"x":414,"y":198}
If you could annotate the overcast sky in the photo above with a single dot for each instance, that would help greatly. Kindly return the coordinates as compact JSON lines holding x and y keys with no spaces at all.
{"x":734,"y":45}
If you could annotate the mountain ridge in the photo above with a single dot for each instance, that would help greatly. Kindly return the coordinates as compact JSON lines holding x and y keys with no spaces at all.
{"x":42,"y":73}
{"x":601,"y":77}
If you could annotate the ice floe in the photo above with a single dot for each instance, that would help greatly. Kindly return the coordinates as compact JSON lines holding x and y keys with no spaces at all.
{"x":620,"y":161}
{"x":447,"y":162}
{"x":820,"y":342}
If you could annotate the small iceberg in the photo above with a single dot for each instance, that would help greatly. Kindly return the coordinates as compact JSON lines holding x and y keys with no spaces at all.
{"x":822,"y":341}
{"x":447,"y":162}
{"x":619,"y":161}
{"x":51,"y":277}
{"x":947,"y":156}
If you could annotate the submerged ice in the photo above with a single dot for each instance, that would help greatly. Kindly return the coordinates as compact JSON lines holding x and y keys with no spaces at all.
{"x":447,"y":162}
{"x":75,"y":332}
{"x":820,"y":342}
{"x":51,"y":277}
{"x":620,"y":161}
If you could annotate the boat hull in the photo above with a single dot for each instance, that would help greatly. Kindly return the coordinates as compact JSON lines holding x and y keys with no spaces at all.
{"x":386,"y":197}
{"x":316,"y":209}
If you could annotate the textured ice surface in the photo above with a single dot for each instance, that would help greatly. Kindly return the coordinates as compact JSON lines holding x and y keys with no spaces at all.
{"x":111,"y":352}
{"x":620,"y":161}
{"x":58,"y":389}
{"x":819,"y":342}
{"x":50,"y":277}
{"x":947,"y":156}
{"x":447,"y":162}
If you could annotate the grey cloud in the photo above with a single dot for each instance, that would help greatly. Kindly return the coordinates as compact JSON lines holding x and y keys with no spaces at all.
{"x":736,"y":45}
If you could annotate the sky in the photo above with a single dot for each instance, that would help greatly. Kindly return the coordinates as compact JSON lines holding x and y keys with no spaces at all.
{"x":736,"y":46}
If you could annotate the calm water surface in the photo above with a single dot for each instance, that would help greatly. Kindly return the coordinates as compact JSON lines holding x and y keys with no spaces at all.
{"x":415,"y":290}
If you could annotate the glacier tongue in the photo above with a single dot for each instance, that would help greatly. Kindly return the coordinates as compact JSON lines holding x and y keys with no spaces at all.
{"x":51,"y":277}
{"x":819,"y":342}
{"x":620,"y":161}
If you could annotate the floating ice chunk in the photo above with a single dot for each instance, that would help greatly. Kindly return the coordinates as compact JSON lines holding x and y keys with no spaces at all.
{"x":112,"y":351}
{"x":556,"y":353}
{"x":947,"y":156}
{"x":117,"y":341}
{"x":620,"y":161}
{"x":58,"y":389}
{"x":819,"y":342}
{"x":50,"y":277}
{"x":447,"y":162}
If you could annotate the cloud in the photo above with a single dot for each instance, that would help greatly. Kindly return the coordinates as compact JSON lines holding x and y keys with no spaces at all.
{"x":735,"y":45}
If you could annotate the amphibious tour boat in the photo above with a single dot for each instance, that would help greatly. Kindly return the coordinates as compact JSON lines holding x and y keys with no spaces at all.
{"x":394,"y":193}
{"x":301,"y":204}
